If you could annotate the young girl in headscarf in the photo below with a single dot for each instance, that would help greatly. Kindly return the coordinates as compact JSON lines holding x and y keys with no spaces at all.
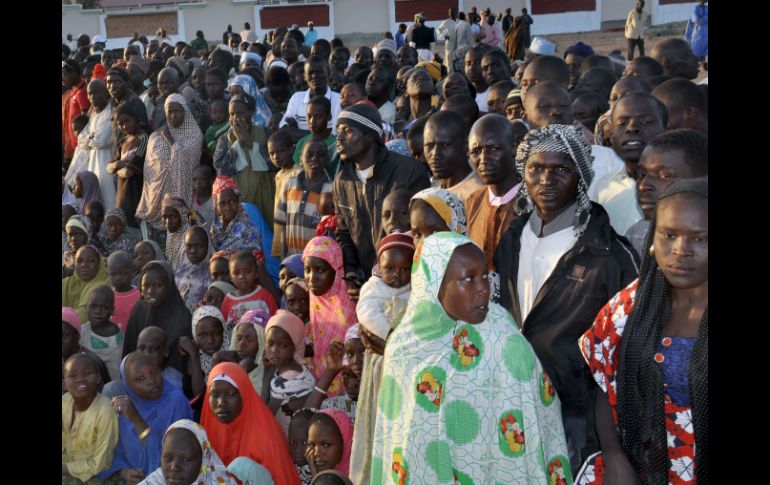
{"x":90,"y":272}
{"x":150,"y":404}
{"x":232,"y":432}
{"x":177,"y":217}
{"x":435,"y":209}
{"x":192,"y":275}
{"x":160,"y":306}
{"x":332,"y":312}
{"x":329,"y":426}
{"x":76,"y":229}
{"x":461,"y":386}
{"x":189,"y":436}
{"x":117,"y":237}
{"x":248,"y":345}
{"x":144,"y":252}
{"x":648,"y":352}
{"x":172,"y":153}
{"x":86,"y":189}
{"x":208,"y":337}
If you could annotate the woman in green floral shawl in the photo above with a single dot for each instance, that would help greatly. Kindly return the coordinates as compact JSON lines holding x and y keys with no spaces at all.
{"x":461,"y":401}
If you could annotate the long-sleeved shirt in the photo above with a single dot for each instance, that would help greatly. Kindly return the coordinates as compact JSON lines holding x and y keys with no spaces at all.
{"x":88,"y":439}
{"x":635,"y":24}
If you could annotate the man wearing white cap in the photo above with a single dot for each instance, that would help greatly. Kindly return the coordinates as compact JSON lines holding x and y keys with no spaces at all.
{"x":542,"y":47}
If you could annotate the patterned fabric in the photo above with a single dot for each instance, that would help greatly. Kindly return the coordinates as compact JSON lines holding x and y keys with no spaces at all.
{"x":175,"y":240}
{"x":124,"y":242}
{"x":447,"y":205}
{"x":257,"y":319}
{"x":331,"y":314}
{"x":297,"y":211}
{"x":600,"y":346}
{"x":262,"y":114}
{"x":239,"y":235}
{"x":296,"y":384}
{"x":213,"y":471}
{"x":345,"y":428}
{"x":343,"y":402}
{"x":463,"y":402}
{"x":192,"y":280}
{"x":168,"y":168}
{"x":200,"y":314}
{"x":568,"y":140}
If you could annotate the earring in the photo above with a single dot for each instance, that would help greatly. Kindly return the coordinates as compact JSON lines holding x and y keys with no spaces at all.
{"x":652,"y":250}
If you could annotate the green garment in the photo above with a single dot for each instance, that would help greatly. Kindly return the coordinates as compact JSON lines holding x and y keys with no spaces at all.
{"x":74,"y":291}
{"x":331,"y":144}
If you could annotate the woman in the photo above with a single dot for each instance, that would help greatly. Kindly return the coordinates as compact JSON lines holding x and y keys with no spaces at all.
{"x":172,"y":153}
{"x":697,"y":31}
{"x":90,"y":272}
{"x":232,"y":413}
{"x":463,"y":395}
{"x":240,"y":155}
{"x":648,"y":351}
{"x":243,"y":84}
{"x":101,"y":140}
{"x":514,"y":40}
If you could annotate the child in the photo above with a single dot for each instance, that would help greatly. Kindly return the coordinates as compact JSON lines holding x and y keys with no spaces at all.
{"x":144,"y":252}
{"x":70,"y":343}
{"x":130,"y":166}
{"x":116,"y":236}
{"x":291,"y":267}
{"x":120,"y":267}
{"x":99,"y":333}
{"x":296,"y":216}
{"x":280,"y":148}
{"x":285,"y":350}
{"x":208,"y":331}
{"x":94,"y":213}
{"x":85,"y":188}
{"x":188,"y":438}
{"x":219,"y":267}
{"x":249,"y":295}
{"x":153,"y":341}
{"x":216,"y":293}
{"x":203,"y":180}
{"x":298,"y":426}
{"x":77,"y":237}
{"x":328,"y":225}
{"x":297,"y":298}
{"x":90,"y":272}
{"x":177,"y":217}
{"x":348,"y":359}
{"x":381,"y":305}
{"x":219,"y":123}
{"x":89,"y":429}
{"x":319,"y":112}
{"x":395,"y":212}
{"x":192,"y":275}
{"x":332,"y":311}
{"x":150,"y":405}
{"x":248,"y":471}
{"x":329,"y":439}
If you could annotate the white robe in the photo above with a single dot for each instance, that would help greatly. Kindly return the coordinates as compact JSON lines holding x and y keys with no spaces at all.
{"x":100,"y":153}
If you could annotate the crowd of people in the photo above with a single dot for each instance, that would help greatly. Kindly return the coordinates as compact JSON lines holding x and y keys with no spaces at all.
{"x":284,"y":262}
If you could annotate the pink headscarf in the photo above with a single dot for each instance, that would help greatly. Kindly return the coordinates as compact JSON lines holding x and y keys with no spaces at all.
{"x":70,"y":316}
{"x":331,"y":314}
{"x":291,"y":324}
{"x":342,"y":420}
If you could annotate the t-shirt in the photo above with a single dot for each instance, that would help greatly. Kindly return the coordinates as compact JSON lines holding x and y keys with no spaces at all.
{"x":481,"y":101}
{"x":297,"y":109}
{"x":233,"y":306}
{"x":124,"y":304}
{"x":109,"y":349}
{"x":363,"y":175}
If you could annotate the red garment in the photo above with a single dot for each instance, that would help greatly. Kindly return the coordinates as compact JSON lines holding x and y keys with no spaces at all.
{"x":76,"y":104}
{"x":327,"y":224}
{"x":124,"y":304}
{"x":254,"y":433}
{"x":65,"y":98}
{"x":600,"y":346}
{"x":234,"y":307}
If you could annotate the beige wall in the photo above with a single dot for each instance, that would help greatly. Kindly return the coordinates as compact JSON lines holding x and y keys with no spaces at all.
{"x":214,"y":17}
{"x":74,"y":21}
{"x":618,"y":9}
{"x":352,"y":16}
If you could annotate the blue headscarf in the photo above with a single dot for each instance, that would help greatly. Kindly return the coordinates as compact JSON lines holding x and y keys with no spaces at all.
{"x":262,"y":114}
{"x":159,"y":414}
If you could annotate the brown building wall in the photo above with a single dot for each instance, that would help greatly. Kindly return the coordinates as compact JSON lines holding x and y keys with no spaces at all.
{"x":274,"y":17}
{"x":144,"y":24}
{"x":434,"y":9}
{"x":540,"y":7}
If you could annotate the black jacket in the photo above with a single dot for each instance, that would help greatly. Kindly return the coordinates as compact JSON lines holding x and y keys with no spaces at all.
{"x":600,"y":264}
{"x":359,"y":214}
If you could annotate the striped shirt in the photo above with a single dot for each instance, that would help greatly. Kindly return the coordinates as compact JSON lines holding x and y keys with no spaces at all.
{"x":297,"y":211}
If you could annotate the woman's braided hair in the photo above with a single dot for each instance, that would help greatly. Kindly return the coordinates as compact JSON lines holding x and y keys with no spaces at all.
{"x":640,"y":383}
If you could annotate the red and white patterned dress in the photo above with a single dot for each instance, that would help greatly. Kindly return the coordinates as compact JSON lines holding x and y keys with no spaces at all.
{"x":600,"y":346}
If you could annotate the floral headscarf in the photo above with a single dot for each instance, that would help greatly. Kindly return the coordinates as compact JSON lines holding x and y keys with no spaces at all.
{"x":262,"y":112}
{"x":447,"y":205}
{"x":124,"y":242}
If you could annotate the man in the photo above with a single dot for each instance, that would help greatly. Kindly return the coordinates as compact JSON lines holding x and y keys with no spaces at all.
{"x":446,"y":30}
{"x":168,"y":83}
{"x":248,"y":35}
{"x":312,"y":34}
{"x":625,"y":86}
{"x":548,"y":104}
{"x":378,"y":85}
{"x":495,"y":67}
{"x":406,"y":57}
{"x":385,"y":55}
{"x":360,"y":187}
{"x":670,"y":156}
{"x":364,"y":56}
{"x":559,"y":263}
{"x":544,"y":68}
{"x":574,"y":57}
{"x":463,"y":33}
{"x":445,"y":148}
{"x":465,"y":106}
{"x":636,"y":119}
{"x":352,"y":93}
{"x":475,"y":75}
{"x":490,"y":210}
{"x":498,"y":93}
{"x":635,"y":25}
{"x":400,"y":40}
{"x":317,"y":78}
{"x":597,"y":80}
{"x":526,"y":23}
{"x":676,"y":57}
{"x":687,"y":105}
{"x":118,"y":84}
{"x":507,"y":20}
{"x":423,"y":38}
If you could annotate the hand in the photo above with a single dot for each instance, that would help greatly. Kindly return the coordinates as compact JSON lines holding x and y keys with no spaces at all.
{"x":372,"y":342}
{"x":243,"y":134}
{"x":292,"y":122}
{"x":113,"y":167}
{"x":223,"y":356}
{"x":354,"y":288}
{"x":292,"y":406}
{"x":123,"y":404}
{"x":310,"y":457}
{"x":187,"y":346}
{"x":334,"y":357}
{"x":132,"y":475}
